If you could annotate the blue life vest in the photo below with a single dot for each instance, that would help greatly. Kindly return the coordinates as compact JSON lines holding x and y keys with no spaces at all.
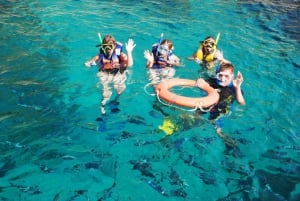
{"x":115,"y":61}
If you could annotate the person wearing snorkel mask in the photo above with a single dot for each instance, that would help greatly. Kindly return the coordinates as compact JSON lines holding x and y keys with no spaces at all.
{"x":207,"y":55}
{"x":229,"y":90}
{"x":112,"y":63}
{"x":160,"y":61}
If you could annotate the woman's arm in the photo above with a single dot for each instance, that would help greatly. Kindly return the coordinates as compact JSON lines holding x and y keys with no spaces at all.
{"x":149,"y":57}
{"x":174,"y":60}
{"x":129,"y":48}
{"x":219,"y":56}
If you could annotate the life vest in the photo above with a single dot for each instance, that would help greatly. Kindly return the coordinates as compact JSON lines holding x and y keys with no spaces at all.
{"x":208,"y":58}
{"x":160,"y":62}
{"x":117,"y":59}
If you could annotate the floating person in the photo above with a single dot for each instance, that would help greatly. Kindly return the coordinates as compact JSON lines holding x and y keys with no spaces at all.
{"x":221,"y":90}
{"x":208,"y":55}
{"x":161,"y":60}
{"x":112,"y":63}
{"x":229,"y":90}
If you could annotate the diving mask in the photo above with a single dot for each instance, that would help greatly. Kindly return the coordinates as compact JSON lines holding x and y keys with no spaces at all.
{"x":224,"y":75}
{"x":108,"y":47}
{"x":224,"y":78}
{"x":163,"y":50}
{"x":209,"y":43}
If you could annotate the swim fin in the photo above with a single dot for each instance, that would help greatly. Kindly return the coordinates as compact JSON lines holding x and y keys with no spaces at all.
{"x":168,"y":127}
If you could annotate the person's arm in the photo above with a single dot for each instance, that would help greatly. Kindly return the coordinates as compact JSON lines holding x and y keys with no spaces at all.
{"x":149,"y":57}
{"x":195,"y":58}
{"x":92,"y":61}
{"x":238,"y":91}
{"x":129,"y":48}
{"x":219,"y":56}
{"x":174,"y":60}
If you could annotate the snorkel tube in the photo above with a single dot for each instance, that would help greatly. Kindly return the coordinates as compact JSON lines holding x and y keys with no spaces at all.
{"x":159,"y":42}
{"x":100,"y":40}
{"x":161,"y":38}
{"x":218,"y":37}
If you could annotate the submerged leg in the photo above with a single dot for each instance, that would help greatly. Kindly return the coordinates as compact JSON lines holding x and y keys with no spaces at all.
{"x":105,"y":79}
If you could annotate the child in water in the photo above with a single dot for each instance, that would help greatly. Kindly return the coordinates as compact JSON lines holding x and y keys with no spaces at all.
{"x":112,"y":63}
{"x":161,"y":60}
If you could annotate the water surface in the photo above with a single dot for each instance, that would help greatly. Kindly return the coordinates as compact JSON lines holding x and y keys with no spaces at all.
{"x":52,"y":147}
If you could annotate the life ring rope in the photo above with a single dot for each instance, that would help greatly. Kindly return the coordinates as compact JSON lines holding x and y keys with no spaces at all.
{"x":181,"y":108}
{"x":146,"y":91}
{"x":174,"y":100}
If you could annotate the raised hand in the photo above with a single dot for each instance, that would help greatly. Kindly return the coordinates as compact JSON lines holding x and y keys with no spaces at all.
{"x":237,"y":82}
{"x":219,"y":55}
{"x":130,"y":45}
{"x":148,"y":56}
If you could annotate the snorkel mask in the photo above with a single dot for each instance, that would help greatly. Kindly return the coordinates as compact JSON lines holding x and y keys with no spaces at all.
{"x":108,"y":48}
{"x":224,"y":78}
{"x":209,"y":45}
{"x":163,"y":50}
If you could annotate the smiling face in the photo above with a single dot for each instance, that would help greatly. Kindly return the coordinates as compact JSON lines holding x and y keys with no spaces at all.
{"x":226,"y":74}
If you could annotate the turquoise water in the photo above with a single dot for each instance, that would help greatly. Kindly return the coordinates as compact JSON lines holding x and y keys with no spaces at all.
{"x":52,"y":147}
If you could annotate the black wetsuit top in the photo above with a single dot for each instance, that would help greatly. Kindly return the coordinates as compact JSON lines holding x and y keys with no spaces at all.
{"x":227,"y":96}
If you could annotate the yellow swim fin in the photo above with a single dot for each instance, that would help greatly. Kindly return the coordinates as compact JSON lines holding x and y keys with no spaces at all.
{"x":168,"y":127}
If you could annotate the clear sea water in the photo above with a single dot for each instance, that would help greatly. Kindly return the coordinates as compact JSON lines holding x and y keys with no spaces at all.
{"x":52,"y":147}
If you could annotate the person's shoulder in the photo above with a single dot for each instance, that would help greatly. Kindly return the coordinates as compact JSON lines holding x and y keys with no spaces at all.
{"x":173,"y":56}
{"x":155,"y":45}
{"x":119,"y":44}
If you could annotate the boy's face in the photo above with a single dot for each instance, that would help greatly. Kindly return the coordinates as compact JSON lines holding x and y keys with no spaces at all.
{"x":225,"y":77}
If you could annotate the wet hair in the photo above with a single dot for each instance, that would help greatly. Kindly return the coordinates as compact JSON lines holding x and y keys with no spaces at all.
{"x":168,"y":43}
{"x":209,"y":37}
{"x":108,"y":39}
{"x":225,"y":66}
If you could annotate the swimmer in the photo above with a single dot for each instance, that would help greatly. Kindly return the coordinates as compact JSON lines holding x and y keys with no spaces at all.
{"x":207,"y":55}
{"x":112,"y":63}
{"x":229,"y":90}
{"x":161,"y":60}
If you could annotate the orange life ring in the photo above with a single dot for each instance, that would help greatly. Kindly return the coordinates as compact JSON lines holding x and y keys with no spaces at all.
{"x":162,"y":90}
